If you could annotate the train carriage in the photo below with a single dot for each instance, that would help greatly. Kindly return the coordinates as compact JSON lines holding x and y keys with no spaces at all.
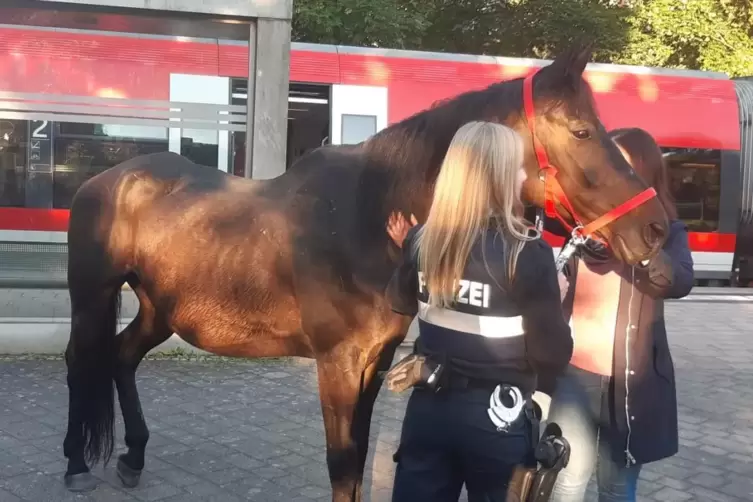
{"x":76,"y":102}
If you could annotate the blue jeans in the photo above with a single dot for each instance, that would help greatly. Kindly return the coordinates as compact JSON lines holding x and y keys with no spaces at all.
{"x":582,"y":406}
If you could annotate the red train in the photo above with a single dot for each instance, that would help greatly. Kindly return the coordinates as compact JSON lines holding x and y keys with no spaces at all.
{"x":341,"y":95}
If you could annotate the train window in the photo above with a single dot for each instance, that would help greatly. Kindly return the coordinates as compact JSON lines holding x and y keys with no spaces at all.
{"x":201,"y":146}
{"x":13,"y":154}
{"x":694,"y":177}
{"x":357,"y":128}
{"x":81,"y":151}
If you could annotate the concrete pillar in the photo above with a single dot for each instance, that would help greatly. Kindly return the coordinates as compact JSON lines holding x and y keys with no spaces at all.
{"x":270,"y":94}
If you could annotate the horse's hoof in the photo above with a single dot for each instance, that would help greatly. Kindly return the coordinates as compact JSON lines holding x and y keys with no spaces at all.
{"x":128,"y":476}
{"x":83,"y":482}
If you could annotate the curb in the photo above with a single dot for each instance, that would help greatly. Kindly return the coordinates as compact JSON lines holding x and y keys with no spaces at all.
{"x":49,"y":335}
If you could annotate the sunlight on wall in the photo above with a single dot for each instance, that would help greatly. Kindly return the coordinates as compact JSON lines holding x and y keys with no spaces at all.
{"x":109,"y":92}
{"x":378,"y":72}
{"x":648,"y":89}
{"x":602,"y":82}
{"x":510,"y":72}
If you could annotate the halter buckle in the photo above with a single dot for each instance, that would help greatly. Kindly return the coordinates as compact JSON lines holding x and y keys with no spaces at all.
{"x":577,"y":237}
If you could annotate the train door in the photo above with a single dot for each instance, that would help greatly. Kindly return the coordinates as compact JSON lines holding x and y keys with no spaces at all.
{"x":206,"y":146}
{"x":357,"y":112}
{"x":743,"y":261}
{"x":308,"y":121}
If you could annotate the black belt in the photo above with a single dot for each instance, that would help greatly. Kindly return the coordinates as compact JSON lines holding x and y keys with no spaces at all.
{"x":462,"y":382}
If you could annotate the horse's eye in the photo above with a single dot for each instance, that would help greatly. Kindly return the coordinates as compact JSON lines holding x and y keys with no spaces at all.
{"x":582,"y":134}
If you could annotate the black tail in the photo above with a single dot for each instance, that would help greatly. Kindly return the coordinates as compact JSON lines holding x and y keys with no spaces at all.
{"x":91,"y":359}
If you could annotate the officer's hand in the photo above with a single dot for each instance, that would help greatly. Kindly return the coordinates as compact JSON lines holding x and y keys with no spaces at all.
{"x":404,"y":374}
{"x":398,"y":227}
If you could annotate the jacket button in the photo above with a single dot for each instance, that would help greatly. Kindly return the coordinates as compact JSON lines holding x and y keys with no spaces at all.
{"x":632,"y":372}
{"x":632,"y":326}
{"x":632,"y":418}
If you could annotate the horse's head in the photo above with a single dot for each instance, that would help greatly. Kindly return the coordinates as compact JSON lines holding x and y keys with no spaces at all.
{"x":595,"y":178}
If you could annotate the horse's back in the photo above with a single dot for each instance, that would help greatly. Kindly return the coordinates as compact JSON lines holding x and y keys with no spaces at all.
{"x":115,"y":209}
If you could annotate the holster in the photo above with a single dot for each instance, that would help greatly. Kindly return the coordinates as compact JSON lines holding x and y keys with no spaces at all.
{"x":529,"y":484}
{"x":414,"y":370}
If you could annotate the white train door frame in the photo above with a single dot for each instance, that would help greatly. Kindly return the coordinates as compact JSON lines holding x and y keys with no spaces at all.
{"x":203,"y":89}
{"x":357,"y":112}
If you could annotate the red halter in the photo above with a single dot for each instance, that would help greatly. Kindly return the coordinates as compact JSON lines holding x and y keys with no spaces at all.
{"x":553,"y":190}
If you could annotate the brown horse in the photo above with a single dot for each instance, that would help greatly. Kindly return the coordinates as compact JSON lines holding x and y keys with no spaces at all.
{"x":297,"y":265}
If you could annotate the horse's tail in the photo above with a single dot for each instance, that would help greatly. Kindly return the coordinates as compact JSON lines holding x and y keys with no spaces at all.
{"x":91,"y":355}
{"x":91,"y":359}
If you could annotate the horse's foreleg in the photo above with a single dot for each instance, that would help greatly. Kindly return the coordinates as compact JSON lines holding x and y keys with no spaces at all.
{"x":372,"y":384}
{"x":141,"y":336}
{"x":339,"y":390}
{"x":348,"y":387}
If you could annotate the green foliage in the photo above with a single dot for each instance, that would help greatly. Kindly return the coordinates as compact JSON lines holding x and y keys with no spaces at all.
{"x":698,"y":34}
{"x":525,"y":28}
{"x":375,"y":23}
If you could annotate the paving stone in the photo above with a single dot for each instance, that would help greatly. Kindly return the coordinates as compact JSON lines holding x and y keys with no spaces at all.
{"x":252,"y":430}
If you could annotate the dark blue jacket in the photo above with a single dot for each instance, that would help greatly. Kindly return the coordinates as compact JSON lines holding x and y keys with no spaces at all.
{"x":645,"y":381}
{"x":494,"y":331}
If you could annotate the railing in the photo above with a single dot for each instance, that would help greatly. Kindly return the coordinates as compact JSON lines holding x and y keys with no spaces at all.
{"x":33,"y":265}
{"x":87,"y":109}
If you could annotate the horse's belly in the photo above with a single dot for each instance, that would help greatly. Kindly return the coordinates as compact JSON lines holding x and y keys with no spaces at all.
{"x":234,"y":329}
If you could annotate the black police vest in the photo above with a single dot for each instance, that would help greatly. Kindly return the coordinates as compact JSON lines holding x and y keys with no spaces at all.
{"x":481,"y":335}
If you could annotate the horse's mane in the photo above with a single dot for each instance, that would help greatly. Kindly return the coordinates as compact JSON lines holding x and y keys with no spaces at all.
{"x":403,"y":160}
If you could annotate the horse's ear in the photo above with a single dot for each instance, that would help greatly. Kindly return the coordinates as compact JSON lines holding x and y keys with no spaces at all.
{"x":571,"y":63}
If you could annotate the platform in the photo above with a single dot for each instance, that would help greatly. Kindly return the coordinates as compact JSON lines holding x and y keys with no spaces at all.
{"x":252,"y":430}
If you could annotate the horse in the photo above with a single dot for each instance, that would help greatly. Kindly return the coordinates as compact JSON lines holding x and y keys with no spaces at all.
{"x":297,"y":265}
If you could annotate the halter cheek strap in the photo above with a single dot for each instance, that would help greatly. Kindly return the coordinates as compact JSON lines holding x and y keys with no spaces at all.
{"x":553,"y":192}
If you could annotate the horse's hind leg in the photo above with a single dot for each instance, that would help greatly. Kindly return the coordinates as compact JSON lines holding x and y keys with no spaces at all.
{"x":143,"y":334}
{"x":348,"y":388}
{"x":89,"y":357}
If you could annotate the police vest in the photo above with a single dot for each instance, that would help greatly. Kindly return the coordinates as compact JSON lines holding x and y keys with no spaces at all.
{"x":481,"y":334}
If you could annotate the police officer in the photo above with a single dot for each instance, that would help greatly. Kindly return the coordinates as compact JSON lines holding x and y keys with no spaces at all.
{"x":488,"y":302}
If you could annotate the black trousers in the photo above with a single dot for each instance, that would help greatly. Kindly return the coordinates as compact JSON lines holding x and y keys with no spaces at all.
{"x":448,"y":440}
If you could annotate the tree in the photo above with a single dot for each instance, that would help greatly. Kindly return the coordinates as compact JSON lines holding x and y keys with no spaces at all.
{"x":524,"y":28}
{"x":696,"y":34}
{"x":375,"y":23}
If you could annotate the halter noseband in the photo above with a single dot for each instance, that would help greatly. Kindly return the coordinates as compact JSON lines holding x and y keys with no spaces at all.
{"x":553,"y":192}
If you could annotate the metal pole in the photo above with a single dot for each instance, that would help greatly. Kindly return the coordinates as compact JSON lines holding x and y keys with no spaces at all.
{"x":251,"y":98}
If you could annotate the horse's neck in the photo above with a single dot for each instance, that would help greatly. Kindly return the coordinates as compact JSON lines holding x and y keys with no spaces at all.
{"x":403,"y":160}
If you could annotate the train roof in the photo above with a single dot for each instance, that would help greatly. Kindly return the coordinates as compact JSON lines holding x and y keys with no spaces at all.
{"x":400,"y":53}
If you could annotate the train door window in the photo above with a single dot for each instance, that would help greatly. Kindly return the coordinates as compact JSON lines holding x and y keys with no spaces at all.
{"x":358,"y":112}
{"x":358,"y":128}
{"x":205,"y":146}
{"x":13,"y":154}
{"x":695,"y":178}
{"x":308,"y":121}
{"x":201,"y":146}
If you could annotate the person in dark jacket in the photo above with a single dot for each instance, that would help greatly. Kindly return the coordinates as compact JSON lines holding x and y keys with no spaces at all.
{"x":616,"y":403}
{"x":490,"y":319}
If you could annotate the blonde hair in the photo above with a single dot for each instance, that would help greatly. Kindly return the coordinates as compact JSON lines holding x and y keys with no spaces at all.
{"x":477,"y":181}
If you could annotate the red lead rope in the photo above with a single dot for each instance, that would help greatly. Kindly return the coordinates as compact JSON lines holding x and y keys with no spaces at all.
{"x":553,"y":190}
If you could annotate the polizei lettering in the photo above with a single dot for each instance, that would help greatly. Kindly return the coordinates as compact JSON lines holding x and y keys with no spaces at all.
{"x":469,"y":292}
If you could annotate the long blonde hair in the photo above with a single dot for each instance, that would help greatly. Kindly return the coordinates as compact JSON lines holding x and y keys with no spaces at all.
{"x":477,"y":181}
